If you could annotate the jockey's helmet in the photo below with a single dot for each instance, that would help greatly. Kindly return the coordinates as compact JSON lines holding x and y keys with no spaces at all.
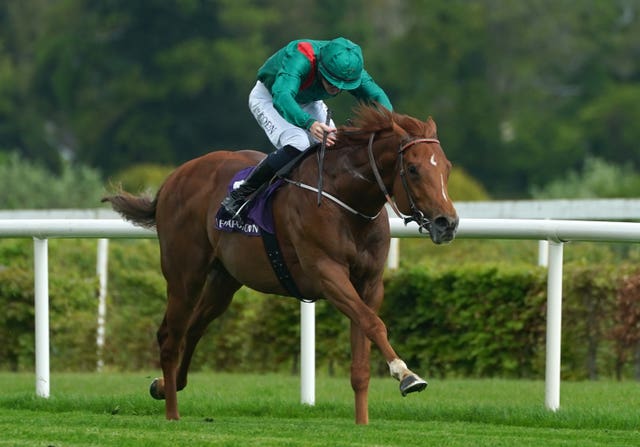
{"x":341,"y":63}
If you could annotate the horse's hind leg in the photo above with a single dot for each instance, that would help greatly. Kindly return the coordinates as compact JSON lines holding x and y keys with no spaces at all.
{"x":170,"y":339}
{"x":214,"y":301}
{"x":179,"y":334}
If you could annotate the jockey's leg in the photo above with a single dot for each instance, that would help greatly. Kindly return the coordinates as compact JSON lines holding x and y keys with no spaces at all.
{"x":287,"y":137}
{"x":262,"y":173}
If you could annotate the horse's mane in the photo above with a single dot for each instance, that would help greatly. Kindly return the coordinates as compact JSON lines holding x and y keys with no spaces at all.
{"x":375,"y":118}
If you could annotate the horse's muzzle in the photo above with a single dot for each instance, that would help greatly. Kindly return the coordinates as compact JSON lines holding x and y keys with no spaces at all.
{"x":443,"y":229}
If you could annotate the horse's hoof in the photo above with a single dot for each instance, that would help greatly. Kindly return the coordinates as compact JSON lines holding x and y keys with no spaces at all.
{"x":412,"y":384}
{"x":154,"y":389}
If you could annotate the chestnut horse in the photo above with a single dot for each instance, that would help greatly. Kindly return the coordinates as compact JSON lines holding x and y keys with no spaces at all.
{"x":335,"y":250}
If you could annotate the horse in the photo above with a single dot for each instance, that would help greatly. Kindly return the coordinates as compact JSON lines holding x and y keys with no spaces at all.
{"x":334,"y":242}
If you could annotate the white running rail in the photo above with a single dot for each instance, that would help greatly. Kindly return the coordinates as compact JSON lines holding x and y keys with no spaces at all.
{"x":557,"y":232}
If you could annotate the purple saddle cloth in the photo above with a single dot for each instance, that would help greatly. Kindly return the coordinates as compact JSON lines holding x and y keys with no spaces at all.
{"x":256,"y":216}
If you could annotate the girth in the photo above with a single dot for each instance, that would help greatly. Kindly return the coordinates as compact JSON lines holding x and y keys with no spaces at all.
{"x":280,"y":266}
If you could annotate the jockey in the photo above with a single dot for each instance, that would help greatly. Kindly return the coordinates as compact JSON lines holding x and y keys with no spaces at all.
{"x":287,"y":101}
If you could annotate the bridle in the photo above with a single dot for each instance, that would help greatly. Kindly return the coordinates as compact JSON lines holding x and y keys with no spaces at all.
{"x":417,"y":216}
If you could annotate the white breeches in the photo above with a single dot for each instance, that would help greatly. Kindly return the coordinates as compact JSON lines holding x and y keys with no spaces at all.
{"x":280,"y":131}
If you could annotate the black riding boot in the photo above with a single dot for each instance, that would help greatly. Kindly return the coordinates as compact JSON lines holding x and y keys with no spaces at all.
{"x":262,"y":173}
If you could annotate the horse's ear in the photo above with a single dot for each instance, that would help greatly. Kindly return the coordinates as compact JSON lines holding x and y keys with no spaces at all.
{"x":398,"y":130}
{"x":432,"y":124}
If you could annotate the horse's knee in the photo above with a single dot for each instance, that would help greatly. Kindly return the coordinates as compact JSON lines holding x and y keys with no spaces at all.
{"x":360,"y":376}
{"x":375,"y":327}
{"x":359,"y":383}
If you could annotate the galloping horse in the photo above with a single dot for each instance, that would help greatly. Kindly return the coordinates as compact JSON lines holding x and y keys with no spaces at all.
{"x":334,"y":250}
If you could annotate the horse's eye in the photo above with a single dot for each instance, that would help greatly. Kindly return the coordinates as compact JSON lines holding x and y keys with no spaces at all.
{"x":412,"y":169}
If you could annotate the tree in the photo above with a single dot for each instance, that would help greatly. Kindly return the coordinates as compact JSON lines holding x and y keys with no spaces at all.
{"x":610,"y":125}
{"x":27,"y":185}
{"x":596,"y":179}
{"x":153,"y":81}
{"x":505,"y":80}
{"x":23,"y":127}
{"x":512,"y":85}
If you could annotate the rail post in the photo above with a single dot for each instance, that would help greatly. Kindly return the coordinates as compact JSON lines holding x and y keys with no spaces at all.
{"x":308,"y":353}
{"x":554,"y":326}
{"x":101,"y":270}
{"x":41,"y":296}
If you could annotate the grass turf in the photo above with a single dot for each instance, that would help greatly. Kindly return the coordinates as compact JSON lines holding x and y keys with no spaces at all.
{"x":264,"y":410}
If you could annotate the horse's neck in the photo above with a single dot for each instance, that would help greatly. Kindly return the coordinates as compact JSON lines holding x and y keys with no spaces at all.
{"x":349,"y":175}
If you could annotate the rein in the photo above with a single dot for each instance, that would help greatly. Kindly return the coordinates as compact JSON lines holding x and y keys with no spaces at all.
{"x":320,"y":155}
{"x":416,"y":215}
{"x":330,"y":197}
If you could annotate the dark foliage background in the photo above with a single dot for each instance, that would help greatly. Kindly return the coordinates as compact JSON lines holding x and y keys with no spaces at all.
{"x":522,"y":91}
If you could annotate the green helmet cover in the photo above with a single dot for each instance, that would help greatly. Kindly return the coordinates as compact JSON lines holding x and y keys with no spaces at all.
{"x":341,"y":63}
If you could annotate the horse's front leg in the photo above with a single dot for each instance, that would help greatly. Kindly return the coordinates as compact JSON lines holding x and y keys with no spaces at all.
{"x":360,"y":372}
{"x":410,"y":382}
{"x":341,"y":293}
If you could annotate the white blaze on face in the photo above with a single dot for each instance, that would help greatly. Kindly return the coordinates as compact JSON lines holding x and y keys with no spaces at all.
{"x":433,"y":161}
{"x":444,"y":190}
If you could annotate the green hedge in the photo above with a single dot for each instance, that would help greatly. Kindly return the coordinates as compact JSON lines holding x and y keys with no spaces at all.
{"x":490,"y":321}
{"x":470,"y":321}
{"x":484,"y":320}
{"x":72,"y":307}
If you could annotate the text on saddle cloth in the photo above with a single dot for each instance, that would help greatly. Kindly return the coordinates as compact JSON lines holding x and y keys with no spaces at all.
{"x":257,"y":214}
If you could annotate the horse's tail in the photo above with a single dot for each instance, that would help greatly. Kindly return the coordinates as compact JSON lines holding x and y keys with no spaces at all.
{"x":140,"y":210}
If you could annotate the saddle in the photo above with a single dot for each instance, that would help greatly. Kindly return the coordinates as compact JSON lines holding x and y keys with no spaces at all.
{"x":257,"y":214}
{"x":256,"y":219}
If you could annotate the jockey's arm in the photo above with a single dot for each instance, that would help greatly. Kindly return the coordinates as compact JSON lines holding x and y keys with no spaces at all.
{"x":284,"y":91}
{"x":369,"y":91}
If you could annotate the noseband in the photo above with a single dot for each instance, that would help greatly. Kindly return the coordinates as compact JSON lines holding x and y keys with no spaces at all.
{"x":417,"y":216}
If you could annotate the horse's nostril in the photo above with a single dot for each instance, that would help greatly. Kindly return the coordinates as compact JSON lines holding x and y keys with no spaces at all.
{"x":444,"y":223}
{"x":441,"y":222}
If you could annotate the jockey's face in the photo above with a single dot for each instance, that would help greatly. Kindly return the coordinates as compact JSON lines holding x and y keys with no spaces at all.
{"x":330,"y":88}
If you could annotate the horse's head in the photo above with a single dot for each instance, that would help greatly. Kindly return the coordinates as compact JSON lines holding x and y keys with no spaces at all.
{"x":412,"y":165}
{"x":420,"y":185}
